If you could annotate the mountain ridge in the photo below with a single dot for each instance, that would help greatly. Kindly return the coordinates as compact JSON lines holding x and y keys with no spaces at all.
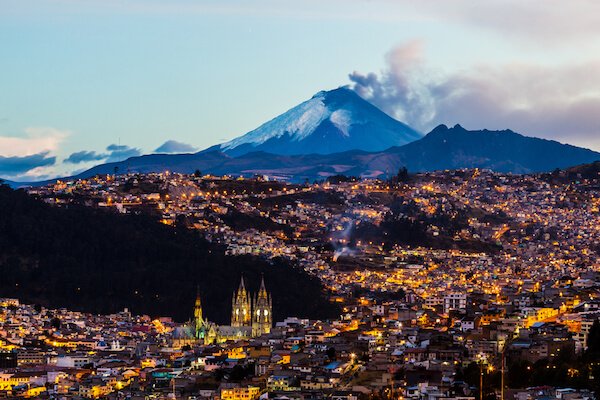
{"x":335,"y":132}
{"x":443,"y":148}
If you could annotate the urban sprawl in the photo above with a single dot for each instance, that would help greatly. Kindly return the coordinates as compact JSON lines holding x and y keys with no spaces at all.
{"x":495,"y":285}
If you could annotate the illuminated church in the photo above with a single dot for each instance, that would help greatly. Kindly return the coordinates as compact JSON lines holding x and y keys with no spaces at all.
{"x":250,"y":317}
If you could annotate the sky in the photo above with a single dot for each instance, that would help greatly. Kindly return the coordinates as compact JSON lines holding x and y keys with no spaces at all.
{"x":89,"y":81}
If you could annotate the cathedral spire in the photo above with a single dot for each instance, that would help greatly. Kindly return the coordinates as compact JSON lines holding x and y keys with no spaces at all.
{"x":261,"y":311}
{"x":262,"y":283}
{"x":242,"y":288}
{"x":198,"y":304}
{"x":241,"y":306}
{"x":198,"y":318}
{"x":262,"y":292}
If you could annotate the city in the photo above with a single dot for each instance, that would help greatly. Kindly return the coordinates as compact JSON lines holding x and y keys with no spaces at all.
{"x":508,"y":284}
{"x":300,"y":200}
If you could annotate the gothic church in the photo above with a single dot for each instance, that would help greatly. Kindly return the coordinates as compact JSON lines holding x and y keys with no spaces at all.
{"x":250,"y":317}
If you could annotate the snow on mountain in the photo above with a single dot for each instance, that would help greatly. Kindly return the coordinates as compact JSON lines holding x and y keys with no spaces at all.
{"x":300,"y":121}
{"x":331,"y":121}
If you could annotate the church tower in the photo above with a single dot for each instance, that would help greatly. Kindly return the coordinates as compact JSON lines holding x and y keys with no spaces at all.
{"x":262,"y":308}
{"x":240,"y":307}
{"x":198,"y":319}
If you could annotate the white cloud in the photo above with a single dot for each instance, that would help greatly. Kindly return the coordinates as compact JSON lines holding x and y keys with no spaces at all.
{"x":173,"y":146}
{"x":33,"y":155}
{"x":36,"y":140}
{"x":38,"y":174}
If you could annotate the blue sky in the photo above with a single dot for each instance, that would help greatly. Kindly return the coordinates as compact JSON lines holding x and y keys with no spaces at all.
{"x":94,"y":80}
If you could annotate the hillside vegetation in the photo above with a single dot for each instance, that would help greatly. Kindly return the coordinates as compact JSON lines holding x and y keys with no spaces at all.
{"x":97,"y":261}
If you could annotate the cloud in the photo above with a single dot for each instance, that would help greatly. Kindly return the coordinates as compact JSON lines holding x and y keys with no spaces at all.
{"x":547,"y":22}
{"x":15,"y":165}
{"x":173,"y":146}
{"x":556,"y":102}
{"x":121,"y":152}
{"x":36,"y":140}
{"x":31,"y":155}
{"x":84,"y":156}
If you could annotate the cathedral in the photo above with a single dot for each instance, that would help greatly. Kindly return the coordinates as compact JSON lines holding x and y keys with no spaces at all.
{"x":253,"y":315}
{"x":250,"y":317}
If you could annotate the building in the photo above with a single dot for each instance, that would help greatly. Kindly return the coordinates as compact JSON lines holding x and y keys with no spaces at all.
{"x":240,"y":307}
{"x":262,"y":319}
{"x":455,"y":301}
{"x":248,"y":319}
{"x":240,"y":393}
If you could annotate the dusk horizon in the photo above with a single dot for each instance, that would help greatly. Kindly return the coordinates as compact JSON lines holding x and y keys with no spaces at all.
{"x":300,"y":200}
{"x":100,"y":81}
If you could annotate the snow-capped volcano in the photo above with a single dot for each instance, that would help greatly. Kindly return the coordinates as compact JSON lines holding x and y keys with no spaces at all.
{"x":330,"y":122}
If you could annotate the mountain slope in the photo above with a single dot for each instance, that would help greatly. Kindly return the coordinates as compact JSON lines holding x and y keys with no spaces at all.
{"x":443,"y":148}
{"x":502,"y":151}
{"x":101,"y":262}
{"x":330,"y":122}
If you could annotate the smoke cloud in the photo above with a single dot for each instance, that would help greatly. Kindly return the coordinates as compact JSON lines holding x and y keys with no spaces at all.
{"x":555,"y":102}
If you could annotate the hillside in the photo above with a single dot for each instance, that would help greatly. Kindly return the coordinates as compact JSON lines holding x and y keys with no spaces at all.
{"x":101,"y":262}
{"x":501,"y":151}
{"x":585,"y":171}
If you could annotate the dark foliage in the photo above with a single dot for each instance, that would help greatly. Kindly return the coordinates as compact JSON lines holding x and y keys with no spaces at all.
{"x":566,"y":370}
{"x":400,"y":178}
{"x":97,"y":261}
{"x":589,"y":171}
{"x":324,"y":198}
{"x":335,"y":179}
{"x":593,"y":342}
{"x":399,"y":229}
{"x":239,"y":221}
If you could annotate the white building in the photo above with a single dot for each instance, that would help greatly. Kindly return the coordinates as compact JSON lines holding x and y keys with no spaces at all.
{"x":455,"y":301}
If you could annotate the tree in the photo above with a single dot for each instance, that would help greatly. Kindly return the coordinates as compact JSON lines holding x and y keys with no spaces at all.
{"x":55,"y":323}
{"x":336,"y":179}
{"x":66,"y":257}
{"x":197,"y":173}
{"x":402,"y":175}
{"x":556,"y":172}
{"x":593,"y":342}
{"x":331,"y":353}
